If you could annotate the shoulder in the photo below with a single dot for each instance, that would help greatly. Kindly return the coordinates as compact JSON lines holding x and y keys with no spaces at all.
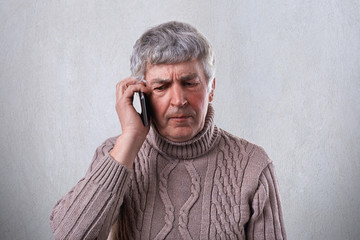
{"x":255,"y":154}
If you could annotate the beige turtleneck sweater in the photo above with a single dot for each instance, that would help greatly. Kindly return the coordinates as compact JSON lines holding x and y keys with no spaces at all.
{"x":215,"y":186}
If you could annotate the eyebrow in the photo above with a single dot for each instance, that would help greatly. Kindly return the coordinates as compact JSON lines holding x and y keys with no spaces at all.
{"x":183,"y":78}
{"x":159,"y":81}
{"x":188,"y":77}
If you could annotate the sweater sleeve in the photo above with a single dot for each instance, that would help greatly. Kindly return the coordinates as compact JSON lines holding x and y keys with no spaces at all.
{"x":266,"y":221}
{"x":92,"y":205}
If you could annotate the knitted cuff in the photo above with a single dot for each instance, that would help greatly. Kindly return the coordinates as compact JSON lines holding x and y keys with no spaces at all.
{"x":110,"y":174}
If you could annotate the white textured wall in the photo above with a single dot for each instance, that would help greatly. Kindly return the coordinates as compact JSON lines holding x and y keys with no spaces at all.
{"x":288,"y":79}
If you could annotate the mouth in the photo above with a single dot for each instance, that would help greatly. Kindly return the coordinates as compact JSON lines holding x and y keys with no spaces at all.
{"x":179,"y":118}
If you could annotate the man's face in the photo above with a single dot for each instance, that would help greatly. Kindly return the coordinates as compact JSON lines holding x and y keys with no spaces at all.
{"x":179,"y":98}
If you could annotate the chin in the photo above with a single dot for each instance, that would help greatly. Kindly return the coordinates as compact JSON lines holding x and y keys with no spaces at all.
{"x":181,"y":135}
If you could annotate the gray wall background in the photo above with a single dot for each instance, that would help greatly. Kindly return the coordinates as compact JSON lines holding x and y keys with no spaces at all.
{"x":288,"y":79}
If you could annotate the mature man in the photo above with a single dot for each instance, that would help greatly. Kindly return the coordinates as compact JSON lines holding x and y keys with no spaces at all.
{"x":182,"y":177}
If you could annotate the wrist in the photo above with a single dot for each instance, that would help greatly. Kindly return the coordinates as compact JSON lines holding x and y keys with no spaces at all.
{"x":126,"y":148}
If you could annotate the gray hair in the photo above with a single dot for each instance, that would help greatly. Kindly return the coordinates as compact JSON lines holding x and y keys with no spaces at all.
{"x":170,"y":43}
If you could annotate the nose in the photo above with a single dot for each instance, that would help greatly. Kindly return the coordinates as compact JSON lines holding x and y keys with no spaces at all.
{"x":178,"y":96}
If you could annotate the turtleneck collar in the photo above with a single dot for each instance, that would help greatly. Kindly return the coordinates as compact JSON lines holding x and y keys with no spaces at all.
{"x":197,"y":146}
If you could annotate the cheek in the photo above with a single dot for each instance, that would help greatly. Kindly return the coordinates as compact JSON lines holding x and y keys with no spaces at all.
{"x":158,"y":107}
{"x":198,"y":101}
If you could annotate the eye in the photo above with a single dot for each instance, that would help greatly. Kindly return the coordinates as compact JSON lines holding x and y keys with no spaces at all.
{"x":190,"y":83}
{"x":160,"y":88}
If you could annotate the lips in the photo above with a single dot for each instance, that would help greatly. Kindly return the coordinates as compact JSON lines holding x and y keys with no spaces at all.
{"x":180,"y":115}
{"x":179,"y":118}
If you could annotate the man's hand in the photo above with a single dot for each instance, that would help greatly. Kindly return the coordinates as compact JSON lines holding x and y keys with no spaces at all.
{"x":133,"y":131}
{"x":130,"y":120}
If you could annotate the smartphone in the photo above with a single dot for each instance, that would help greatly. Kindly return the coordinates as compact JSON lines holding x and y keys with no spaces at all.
{"x":145,"y":111}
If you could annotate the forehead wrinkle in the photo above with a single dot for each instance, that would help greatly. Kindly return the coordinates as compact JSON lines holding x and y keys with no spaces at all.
{"x":159,"y":81}
{"x":188,"y":76}
{"x":165,"y":73}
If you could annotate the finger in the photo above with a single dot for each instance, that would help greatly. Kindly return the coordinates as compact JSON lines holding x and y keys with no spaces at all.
{"x":125,"y":84}
{"x":122,"y":85}
{"x":130,"y":90}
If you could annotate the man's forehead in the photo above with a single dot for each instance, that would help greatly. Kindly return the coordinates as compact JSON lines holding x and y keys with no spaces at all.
{"x":182,"y":77}
{"x":165,"y":72}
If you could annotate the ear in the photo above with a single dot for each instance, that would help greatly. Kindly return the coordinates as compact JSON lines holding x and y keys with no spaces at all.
{"x":211,"y":94}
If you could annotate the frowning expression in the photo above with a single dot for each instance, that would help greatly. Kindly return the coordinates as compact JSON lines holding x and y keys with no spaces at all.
{"x":179,"y":98}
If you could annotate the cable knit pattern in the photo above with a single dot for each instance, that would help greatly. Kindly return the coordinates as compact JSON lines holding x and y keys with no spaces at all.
{"x":169,"y":208}
{"x":228,"y":180}
{"x":139,"y":189}
{"x":195,"y":192}
{"x":215,"y":186}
